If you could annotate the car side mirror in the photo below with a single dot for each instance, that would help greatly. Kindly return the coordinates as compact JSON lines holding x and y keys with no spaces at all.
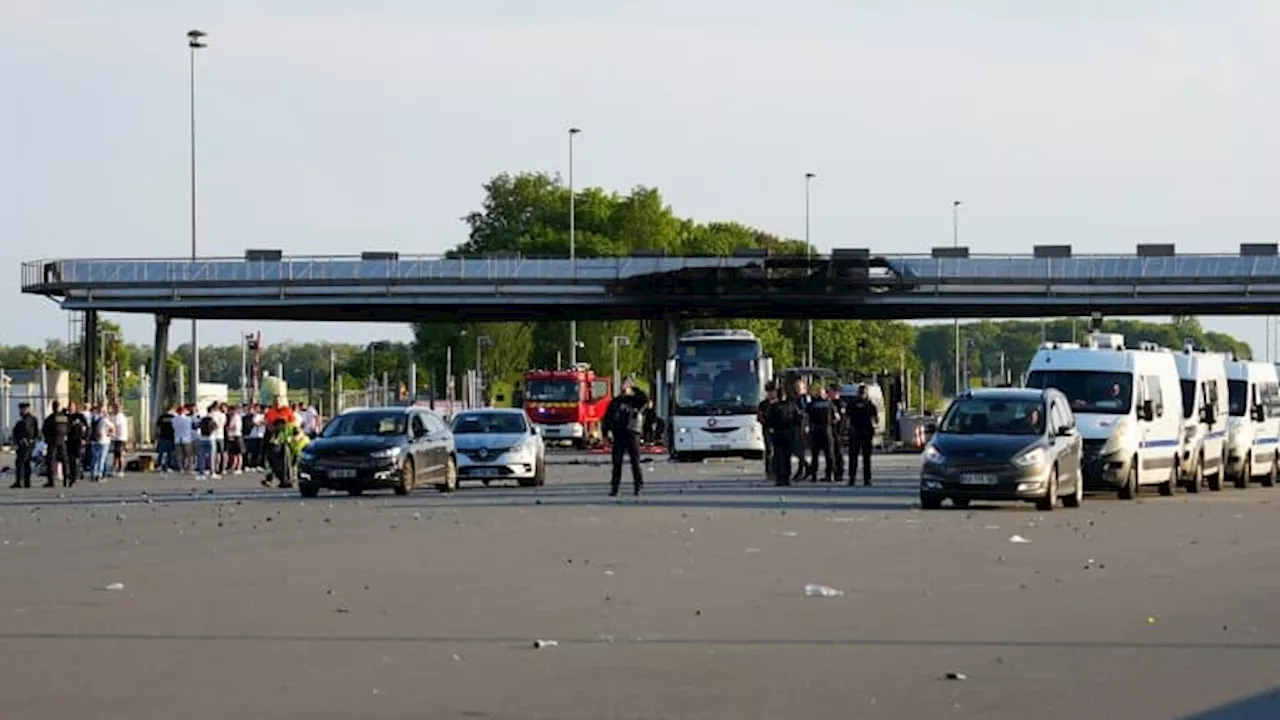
{"x":1148,"y":410}
{"x":1066,"y":431}
{"x":1259,"y":413}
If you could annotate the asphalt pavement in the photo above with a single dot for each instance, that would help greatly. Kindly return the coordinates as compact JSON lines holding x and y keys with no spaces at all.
{"x":153,"y":596}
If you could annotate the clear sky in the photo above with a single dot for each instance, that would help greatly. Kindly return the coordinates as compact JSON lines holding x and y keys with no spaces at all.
{"x":332,"y":127}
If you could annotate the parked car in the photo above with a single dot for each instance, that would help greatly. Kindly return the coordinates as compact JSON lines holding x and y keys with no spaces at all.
{"x":499,"y":444}
{"x":1005,"y":444}
{"x":390,"y":447}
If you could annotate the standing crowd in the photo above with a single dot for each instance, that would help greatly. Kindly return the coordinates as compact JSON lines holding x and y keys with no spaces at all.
{"x":72,"y":444}
{"x":817,"y":425}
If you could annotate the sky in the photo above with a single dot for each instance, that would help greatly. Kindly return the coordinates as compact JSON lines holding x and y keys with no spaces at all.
{"x":331,"y":127}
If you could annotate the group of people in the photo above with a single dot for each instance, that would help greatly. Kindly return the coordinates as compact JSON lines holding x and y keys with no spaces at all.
{"x":69,"y":442}
{"x":224,"y":438}
{"x":817,"y":425}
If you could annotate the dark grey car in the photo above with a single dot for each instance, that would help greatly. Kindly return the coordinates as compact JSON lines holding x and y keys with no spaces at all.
{"x":390,"y":447}
{"x":1005,"y":444}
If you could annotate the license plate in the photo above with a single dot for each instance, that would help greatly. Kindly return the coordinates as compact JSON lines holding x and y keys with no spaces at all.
{"x":970,"y":479}
{"x":485,"y":472}
{"x":718,"y":448}
{"x":342,"y":474}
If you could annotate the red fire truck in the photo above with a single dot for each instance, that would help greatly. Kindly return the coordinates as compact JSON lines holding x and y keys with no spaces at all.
{"x":567,"y":404}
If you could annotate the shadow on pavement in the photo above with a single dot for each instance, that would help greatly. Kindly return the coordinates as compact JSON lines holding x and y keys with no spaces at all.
{"x":1263,"y":706}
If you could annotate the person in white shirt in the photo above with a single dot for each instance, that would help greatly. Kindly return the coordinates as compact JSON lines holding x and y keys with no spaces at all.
{"x":219,"y":413}
{"x":101,"y":432}
{"x":235,"y":441}
{"x":121,"y":425}
{"x":257,"y":431}
{"x":310,"y":421}
{"x":182,"y":439}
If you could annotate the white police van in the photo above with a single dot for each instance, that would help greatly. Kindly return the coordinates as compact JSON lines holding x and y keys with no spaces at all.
{"x":1253,"y":430}
{"x":1128,"y":408}
{"x":1204,"y":416}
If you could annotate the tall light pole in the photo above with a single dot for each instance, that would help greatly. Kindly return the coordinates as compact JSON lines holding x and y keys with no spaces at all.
{"x":573,"y":252}
{"x":482,"y":341}
{"x":808,"y":180}
{"x":195,"y":41}
{"x":618,"y":341}
{"x":955,"y":242}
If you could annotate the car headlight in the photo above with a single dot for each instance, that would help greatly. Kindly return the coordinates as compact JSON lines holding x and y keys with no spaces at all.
{"x":386,"y":453}
{"x":931,"y":454}
{"x":1030,"y":458}
{"x":524,"y":451}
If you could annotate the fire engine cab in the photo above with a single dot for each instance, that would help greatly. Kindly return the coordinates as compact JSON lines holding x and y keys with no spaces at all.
{"x":567,"y":405}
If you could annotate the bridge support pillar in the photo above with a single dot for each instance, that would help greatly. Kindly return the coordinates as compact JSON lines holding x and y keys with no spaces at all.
{"x":90,"y":345}
{"x":159,"y":367}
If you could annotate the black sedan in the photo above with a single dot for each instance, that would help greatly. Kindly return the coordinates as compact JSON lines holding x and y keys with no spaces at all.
{"x":1006,"y":444}
{"x":371,"y":448}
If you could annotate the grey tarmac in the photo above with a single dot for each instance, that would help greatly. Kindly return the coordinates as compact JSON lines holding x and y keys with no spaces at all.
{"x":689,"y":602}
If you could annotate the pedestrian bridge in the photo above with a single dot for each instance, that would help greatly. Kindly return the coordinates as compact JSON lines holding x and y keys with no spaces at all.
{"x":948,"y":283}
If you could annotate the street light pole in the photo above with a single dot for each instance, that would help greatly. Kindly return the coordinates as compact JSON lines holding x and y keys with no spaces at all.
{"x":808,"y":180}
{"x":955,"y":242}
{"x":481,"y":341}
{"x":573,"y":254}
{"x":195,"y":41}
{"x":618,"y":341}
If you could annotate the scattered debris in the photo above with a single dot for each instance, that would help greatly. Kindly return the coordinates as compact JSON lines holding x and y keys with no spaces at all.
{"x":543,"y":644}
{"x":815,"y":590}
{"x":114,"y":586}
{"x":1019,"y":540}
{"x":956,"y":676}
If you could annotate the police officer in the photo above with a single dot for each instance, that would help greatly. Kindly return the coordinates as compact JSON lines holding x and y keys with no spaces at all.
{"x":862,"y":428}
{"x":822,"y":422}
{"x":800,"y":435}
{"x":77,"y":431}
{"x":55,"y":440}
{"x":762,"y":413}
{"x":25,"y":434}
{"x":780,"y":420}
{"x":623,"y":423}
{"x":841,"y":433}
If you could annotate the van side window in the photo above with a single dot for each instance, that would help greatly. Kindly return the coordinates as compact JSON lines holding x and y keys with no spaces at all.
{"x":1211,"y":393}
{"x":1151,"y":391}
{"x":1270,"y":399}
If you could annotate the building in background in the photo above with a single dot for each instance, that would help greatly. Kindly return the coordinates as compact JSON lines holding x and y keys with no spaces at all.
{"x":24,"y":386}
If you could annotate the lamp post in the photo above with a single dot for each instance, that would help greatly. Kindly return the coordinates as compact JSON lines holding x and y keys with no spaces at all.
{"x":618,"y":341}
{"x":573,"y":251}
{"x":195,"y":41}
{"x":955,"y":242}
{"x":482,"y":341}
{"x":808,"y":180}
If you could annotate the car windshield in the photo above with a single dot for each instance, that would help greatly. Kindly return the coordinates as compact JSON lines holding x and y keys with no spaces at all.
{"x":982,"y":416}
{"x":489,"y":423}
{"x":551,"y":391}
{"x":1237,"y":397}
{"x":1188,"y":398}
{"x":1108,"y":393}
{"x":360,"y":424}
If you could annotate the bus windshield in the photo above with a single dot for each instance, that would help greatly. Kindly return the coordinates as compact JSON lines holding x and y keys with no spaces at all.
{"x":718,"y":378}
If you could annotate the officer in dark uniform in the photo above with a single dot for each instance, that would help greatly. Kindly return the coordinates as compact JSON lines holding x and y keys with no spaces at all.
{"x":762,"y":411}
{"x":25,"y":434}
{"x":55,"y":440}
{"x":800,"y":436}
{"x":841,"y":432}
{"x":77,"y":431}
{"x":822,"y":421}
{"x":780,"y":420}
{"x":623,"y":423}
{"x":863,"y":419}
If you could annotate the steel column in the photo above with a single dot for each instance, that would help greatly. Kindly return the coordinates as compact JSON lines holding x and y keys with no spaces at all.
{"x":160,"y":366}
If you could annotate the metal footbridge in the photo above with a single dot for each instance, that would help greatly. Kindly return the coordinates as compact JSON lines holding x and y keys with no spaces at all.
{"x":948,"y":283}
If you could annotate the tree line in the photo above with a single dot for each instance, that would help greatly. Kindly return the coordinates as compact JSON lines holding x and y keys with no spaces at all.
{"x":528,"y":214}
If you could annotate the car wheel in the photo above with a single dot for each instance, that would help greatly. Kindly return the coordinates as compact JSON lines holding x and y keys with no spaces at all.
{"x":1129,"y":490}
{"x":1169,"y":487}
{"x":1269,"y":480}
{"x":1197,"y":476}
{"x":1077,"y":493}
{"x":1050,"y":499}
{"x":308,"y":490}
{"x":407,"y":478}
{"x":1215,"y":480}
{"x":930,"y":501}
{"x":540,"y":477}
{"x":1246,"y":474}
{"x":450,"y":477}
